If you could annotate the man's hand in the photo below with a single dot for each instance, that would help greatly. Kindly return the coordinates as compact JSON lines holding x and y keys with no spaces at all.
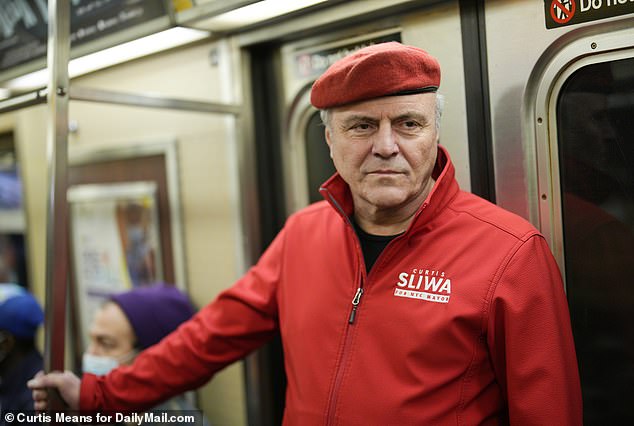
{"x":66,"y":383}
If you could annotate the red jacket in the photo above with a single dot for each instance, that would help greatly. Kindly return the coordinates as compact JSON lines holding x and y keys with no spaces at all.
{"x":462,"y":321}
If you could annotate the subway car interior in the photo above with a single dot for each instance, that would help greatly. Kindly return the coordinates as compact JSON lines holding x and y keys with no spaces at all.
{"x":191,"y":121}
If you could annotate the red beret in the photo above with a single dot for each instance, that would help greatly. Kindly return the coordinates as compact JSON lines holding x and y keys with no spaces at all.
{"x":385,"y":69}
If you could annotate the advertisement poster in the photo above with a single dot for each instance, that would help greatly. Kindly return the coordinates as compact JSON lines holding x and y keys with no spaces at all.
{"x":114,"y":241}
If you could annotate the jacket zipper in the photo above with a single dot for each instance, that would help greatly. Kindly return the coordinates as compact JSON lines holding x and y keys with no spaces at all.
{"x":334,"y":394}
{"x":355,"y":303}
{"x":330,"y":411}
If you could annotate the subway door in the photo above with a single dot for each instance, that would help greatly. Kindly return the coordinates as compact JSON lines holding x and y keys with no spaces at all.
{"x":596,"y":169}
{"x":583,"y":109}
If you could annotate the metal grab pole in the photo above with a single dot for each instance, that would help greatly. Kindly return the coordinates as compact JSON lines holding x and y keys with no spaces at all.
{"x":57,"y":154}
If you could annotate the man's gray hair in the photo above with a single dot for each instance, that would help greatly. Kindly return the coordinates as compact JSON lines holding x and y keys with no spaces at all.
{"x":440,"y":105}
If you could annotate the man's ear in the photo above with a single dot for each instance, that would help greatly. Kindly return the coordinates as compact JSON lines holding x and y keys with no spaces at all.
{"x":328,"y":140}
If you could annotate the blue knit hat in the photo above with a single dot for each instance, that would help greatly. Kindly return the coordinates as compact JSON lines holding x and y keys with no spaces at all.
{"x":154,"y":311}
{"x":20,"y":314}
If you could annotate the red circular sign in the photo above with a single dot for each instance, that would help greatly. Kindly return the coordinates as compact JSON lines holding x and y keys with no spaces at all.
{"x":562,"y":11}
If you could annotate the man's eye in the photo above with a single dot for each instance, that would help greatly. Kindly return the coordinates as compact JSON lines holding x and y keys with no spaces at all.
{"x":361,"y":126}
{"x":410,"y":124}
{"x":107,"y":344}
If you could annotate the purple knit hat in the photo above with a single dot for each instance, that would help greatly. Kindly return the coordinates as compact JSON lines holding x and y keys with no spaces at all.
{"x":154,"y":311}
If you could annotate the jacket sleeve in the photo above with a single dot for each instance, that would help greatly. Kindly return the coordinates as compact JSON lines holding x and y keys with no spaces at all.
{"x":239,"y":320}
{"x":530,"y":339}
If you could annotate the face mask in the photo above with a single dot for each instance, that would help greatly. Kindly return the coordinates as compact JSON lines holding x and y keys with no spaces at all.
{"x":102,"y":365}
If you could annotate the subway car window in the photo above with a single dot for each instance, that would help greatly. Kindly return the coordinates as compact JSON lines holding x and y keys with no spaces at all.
{"x":318,"y":162}
{"x":13,"y":267}
{"x":596,"y":155}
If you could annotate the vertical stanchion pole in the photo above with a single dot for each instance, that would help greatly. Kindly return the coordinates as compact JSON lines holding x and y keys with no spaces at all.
{"x":57,"y":154}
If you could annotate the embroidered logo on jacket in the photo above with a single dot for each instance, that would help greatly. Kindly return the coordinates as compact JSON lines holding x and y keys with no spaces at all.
{"x":425,"y":284}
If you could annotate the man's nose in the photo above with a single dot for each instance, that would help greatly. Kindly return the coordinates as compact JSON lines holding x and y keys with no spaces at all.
{"x":91,"y":350}
{"x":385,"y":142}
{"x":94,"y":349}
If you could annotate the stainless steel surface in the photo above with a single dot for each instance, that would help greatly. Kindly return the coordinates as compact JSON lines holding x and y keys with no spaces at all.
{"x":22,"y":101}
{"x":294,"y":151}
{"x":153,"y":101}
{"x":247,"y":166}
{"x":251,"y":243}
{"x":196,"y":16}
{"x":438,"y":30}
{"x":516,"y":37}
{"x":576,"y":49}
{"x":340,"y":12}
{"x":56,"y":228}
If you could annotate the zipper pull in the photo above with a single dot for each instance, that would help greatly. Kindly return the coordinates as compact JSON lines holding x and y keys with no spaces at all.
{"x":355,"y":303}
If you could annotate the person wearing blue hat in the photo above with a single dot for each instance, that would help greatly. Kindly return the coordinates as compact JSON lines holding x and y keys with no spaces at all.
{"x":20,"y":317}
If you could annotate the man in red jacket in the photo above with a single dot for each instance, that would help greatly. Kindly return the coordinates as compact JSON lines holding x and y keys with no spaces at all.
{"x":400,"y":299}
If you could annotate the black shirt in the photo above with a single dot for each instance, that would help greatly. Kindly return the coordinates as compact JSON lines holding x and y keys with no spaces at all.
{"x":371,"y":245}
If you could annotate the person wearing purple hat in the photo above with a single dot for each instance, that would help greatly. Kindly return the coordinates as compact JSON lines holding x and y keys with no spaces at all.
{"x":132,"y":321}
{"x":400,"y":298}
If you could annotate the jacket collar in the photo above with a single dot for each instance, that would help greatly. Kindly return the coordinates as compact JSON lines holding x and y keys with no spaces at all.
{"x":337,"y":192}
